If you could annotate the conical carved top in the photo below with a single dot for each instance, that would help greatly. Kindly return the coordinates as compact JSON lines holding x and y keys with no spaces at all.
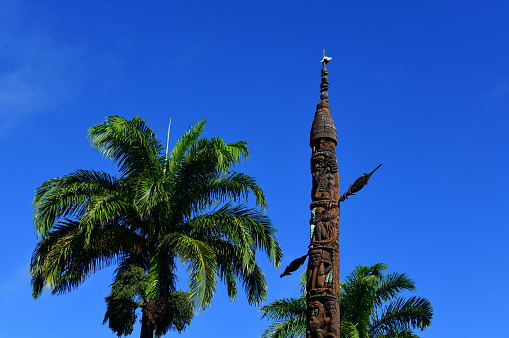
{"x":323,"y":125}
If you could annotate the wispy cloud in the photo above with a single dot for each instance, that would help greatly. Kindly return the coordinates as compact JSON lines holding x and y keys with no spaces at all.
{"x":37,"y":72}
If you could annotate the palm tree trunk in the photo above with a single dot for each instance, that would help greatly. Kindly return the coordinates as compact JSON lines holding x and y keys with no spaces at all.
{"x":146,"y":330}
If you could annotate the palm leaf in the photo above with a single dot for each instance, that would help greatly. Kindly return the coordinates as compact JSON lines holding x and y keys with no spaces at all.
{"x":183,"y":310}
{"x":398,"y":334}
{"x":230,"y":186}
{"x":69,"y":196}
{"x":348,"y":329}
{"x":132,"y":145}
{"x":178,"y":153}
{"x":254,"y":284}
{"x":202,"y":267}
{"x":245,"y":227}
{"x":391,"y":285}
{"x":286,"y":308}
{"x":290,"y":328}
{"x":63,"y":261}
{"x":403,"y":314}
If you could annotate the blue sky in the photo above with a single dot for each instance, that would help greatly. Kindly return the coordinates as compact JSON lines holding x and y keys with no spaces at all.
{"x":422,"y":87}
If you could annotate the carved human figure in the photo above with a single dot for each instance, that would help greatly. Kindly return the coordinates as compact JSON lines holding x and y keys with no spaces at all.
{"x":317,"y":171}
{"x":329,"y":318}
{"x":315,"y":322}
{"x":323,"y":226}
{"x":321,"y":233}
{"x":324,"y":276}
{"x":320,"y":271}
{"x":313,"y":263}
{"x":323,"y":182}
{"x":328,"y":187}
{"x":322,"y":161}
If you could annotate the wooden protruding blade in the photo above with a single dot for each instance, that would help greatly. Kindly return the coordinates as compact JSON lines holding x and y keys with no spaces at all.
{"x":357,"y":185}
{"x":293,"y":266}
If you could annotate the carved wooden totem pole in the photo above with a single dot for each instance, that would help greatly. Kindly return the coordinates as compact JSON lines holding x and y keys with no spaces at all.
{"x":323,"y":255}
{"x":322,"y":285}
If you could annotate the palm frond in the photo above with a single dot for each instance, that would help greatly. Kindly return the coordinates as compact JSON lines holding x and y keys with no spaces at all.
{"x":167,"y":278}
{"x":125,"y":297}
{"x":152,"y":290}
{"x":403,"y":314}
{"x":63,"y":261}
{"x":130,"y":260}
{"x":183,"y":310}
{"x":303,"y":282}
{"x":285,"y":308}
{"x":69,"y":196}
{"x":255,"y":285}
{"x":290,"y":328}
{"x":129,"y":143}
{"x":391,"y":285}
{"x":230,"y":186}
{"x":150,"y":193}
{"x":358,"y":294}
{"x":201,"y":267}
{"x":398,"y":334}
{"x":178,"y":153}
{"x":230,"y":264}
{"x":376,"y":270}
{"x":348,"y":329}
{"x":201,"y":179}
{"x":242,"y":226}
{"x":216,"y":152}
{"x":239,"y":151}
{"x":104,"y":208}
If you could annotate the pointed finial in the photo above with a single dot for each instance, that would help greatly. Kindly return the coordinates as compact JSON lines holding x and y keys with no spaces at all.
{"x":325,"y":59}
{"x":324,"y":86}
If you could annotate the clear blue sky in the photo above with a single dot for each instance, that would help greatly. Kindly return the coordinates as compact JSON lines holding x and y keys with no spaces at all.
{"x":422,"y":87}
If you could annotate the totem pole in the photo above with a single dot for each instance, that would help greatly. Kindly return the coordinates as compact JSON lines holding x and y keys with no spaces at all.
{"x":323,"y":263}
{"x":322,"y":286}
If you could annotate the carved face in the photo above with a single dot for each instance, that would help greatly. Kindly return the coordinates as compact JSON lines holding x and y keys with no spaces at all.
{"x":324,"y":159}
{"x":314,"y":258}
{"x":329,"y":181}
{"x":314,"y":309}
{"x":330,"y":307}
{"x":317,"y":163}
{"x":319,"y":212}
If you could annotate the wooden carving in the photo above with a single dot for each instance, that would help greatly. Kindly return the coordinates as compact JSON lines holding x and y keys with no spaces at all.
{"x":323,"y":256}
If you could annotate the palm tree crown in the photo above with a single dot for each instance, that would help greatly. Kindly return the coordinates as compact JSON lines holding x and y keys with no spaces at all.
{"x":369,"y":305}
{"x":161,"y":209}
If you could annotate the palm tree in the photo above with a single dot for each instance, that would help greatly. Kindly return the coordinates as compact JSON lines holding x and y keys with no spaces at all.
{"x":161,"y":210}
{"x":369,"y":304}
